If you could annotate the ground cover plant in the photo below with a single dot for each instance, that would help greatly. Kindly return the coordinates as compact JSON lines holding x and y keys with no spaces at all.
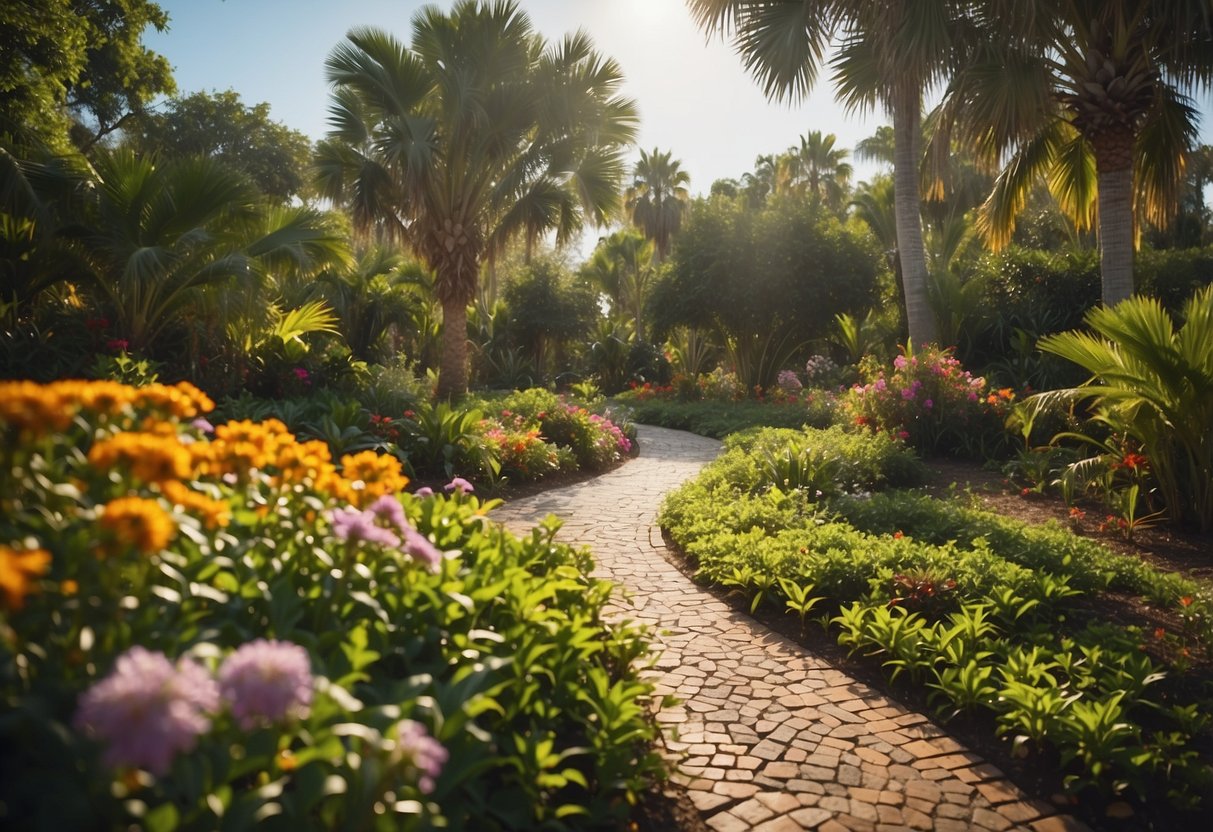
{"x":1025,"y":630}
{"x":225,"y":627}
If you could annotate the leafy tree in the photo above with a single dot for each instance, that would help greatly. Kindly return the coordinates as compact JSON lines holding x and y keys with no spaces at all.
{"x":457,"y":140}
{"x":658,"y":199}
{"x":1091,"y":95}
{"x":783,"y":271}
{"x":547,"y":309}
{"x":891,"y":51}
{"x":222,"y":126}
{"x":85,"y":59}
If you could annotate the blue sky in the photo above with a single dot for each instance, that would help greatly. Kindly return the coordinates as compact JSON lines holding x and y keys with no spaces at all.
{"x":694,"y":96}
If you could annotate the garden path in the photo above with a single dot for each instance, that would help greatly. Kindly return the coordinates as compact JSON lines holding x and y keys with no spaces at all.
{"x":766,"y":736}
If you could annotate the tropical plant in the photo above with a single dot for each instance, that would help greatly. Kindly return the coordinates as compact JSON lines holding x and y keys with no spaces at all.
{"x":658,"y":199}
{"x":383,"y":292}
{"x":819,"y":169}
{"x":1152,"y":381}
{"x":1092,"y":95}
{"x":475,"y":132}
{"x":622,"y":266}
{"x":890,"y":52}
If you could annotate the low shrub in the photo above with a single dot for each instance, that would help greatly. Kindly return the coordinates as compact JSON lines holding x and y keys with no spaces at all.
{"x":718,"y":419}
{"x":231,"y":629}
{"x":983,"y":613}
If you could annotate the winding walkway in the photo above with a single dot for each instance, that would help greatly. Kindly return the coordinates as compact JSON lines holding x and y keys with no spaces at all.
{"x":766,"y":736}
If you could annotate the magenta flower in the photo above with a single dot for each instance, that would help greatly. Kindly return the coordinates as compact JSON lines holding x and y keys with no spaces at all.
{"x":419,"y":753}
{"x":301,"y":373}
{"x":148,"y":710}
{"x":267,"y":682}
{"x":424,"y":491}
{"x":459,"y":485}
{"x":928,"y":404}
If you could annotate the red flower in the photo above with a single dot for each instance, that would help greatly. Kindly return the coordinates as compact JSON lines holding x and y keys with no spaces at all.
{"x":1134,"y":462}
{"x":898,"y":535}
{"x":1185,"y":601}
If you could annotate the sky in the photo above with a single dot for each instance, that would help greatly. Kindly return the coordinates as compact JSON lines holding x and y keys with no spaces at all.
{"x":694,"y":96}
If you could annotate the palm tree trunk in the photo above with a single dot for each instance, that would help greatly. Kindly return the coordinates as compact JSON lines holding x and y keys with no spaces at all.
{"x":453,"y":373}
{"x":907,"y":114}
{"x":1116,"y":233}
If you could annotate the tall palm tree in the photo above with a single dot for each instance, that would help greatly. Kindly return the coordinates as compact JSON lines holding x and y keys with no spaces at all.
{"x":820,"y":169}
{"x":658,"y":199}
{"x":760,"y":183}
{"x":878,"y":147}
{"x":891,"y":51}
{"x":1093,"y":96}
{"x":477,"y":131}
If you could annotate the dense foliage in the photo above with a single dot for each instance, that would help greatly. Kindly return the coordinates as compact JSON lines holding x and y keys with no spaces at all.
{"x":991,"y":615}
{"x":229,"y":628}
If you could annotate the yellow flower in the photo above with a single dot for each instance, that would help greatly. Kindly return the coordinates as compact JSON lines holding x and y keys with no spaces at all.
{"x":150,"y":457}
{"x":182,"y":400}
{"x":138,"y":522}
{"x":35,"y":408}
{"x":212,"y":513}
{"x":371,"y":475}
{"x":18,"y":569}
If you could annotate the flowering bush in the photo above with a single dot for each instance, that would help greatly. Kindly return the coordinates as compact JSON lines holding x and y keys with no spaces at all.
{"x":930,"y":401}
{"x":594,"y":440}
{"x":789,"y":382}
{"x":205,"y":631}
{"x":820,"y":371}
{"x":520,"y":448}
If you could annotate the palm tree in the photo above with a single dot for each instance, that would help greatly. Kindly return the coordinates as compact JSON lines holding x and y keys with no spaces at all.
{"x":623,"y":267}
{"x":1091,"y":95}
{"x":879,"y":147}
{"x":760,"y":183}
{"x":891,"y":50}
{"x":658,"y":199}
{"x":820,"y":169}
{"x":477,"y":131}
{"x":150,"y":240}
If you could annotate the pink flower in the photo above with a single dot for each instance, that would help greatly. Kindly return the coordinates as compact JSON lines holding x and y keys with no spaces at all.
{"x":419,"y":753}
{"x":459,"y":485}
{"x":352,"y":524}
{"x":300,"y":373}
{"x":117,"y":344}
{"x":928,"y":404}
{"x":147,"y":710}
{"x":419,"y":548}
{"x":267,"y":682}
{"x":424,"y":491}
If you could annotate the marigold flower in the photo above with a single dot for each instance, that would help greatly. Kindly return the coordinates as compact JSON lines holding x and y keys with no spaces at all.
{"x":371,"y":475}
{"x":33,"y":408}
{"x":212,"y":513}
{"x":148,"y":710}
{"x":418,"y":753}
{"x":267,"y":682}
{"x":18,"y":571}
{"x":149,"y":457}
{"x":138,"y":522}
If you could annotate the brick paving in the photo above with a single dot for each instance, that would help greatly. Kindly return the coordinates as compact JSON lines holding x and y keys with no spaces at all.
{"x":766,"y":736}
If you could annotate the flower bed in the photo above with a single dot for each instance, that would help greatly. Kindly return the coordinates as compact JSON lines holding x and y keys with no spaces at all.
{"x":230,"y":629}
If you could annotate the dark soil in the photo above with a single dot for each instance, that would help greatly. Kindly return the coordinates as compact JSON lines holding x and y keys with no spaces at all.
{"x":1040,"y":775}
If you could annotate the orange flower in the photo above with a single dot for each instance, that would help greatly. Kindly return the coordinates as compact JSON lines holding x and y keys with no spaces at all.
{"x":212,"y":513}
{"x":138,"y":522}
{"x":371,"y":475}
{"x":34,"y":408}
{"x":18,"y":569}
{"x":1185,"y":601}
{"x":150,"y":457}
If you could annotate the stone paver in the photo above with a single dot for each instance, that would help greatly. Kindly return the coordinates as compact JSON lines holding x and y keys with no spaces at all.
{"x":767,"y":736}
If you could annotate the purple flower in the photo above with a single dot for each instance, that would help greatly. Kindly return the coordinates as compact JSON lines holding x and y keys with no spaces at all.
{"x":148,"y":710}
{"x":388,"y":509}
{"x":928,"y":404}
{"x":907,"y":393}
{"x":267,"y":682}
{"x":202,"y":425}
{"x":419,"y":548}
{"x":353,"y":525}
{"x":460,"y":485}
{"x":418,"y":752}
{"x":424,"y":491}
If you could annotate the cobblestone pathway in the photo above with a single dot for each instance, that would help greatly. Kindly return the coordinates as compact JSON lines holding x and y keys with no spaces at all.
{"x":766,"y":736}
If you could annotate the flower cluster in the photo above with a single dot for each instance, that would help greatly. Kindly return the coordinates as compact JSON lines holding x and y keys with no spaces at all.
{"x":927,"y":399}
{"x":419,"y":753}
{"x":820,"y":370}
{"x":19,"y":568}
{"x":383,"y":523}
{"x":32,"y":409}
{"x":789,"y":382}
{"x":519,"y":446}
{"x":149,"y":710}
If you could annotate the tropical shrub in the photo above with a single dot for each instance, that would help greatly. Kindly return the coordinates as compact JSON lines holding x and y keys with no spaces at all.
{"x":596,"y":441}
{"x":719,"y":419}
{"x":226,"y":628}
{"x":930,"y":401}
{"x":1153,"y":384}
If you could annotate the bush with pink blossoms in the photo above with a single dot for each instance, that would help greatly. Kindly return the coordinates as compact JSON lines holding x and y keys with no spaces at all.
{"x":927,"y":399}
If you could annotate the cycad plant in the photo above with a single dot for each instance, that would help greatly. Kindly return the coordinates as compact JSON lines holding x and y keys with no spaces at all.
{"x":1152,"y":381}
